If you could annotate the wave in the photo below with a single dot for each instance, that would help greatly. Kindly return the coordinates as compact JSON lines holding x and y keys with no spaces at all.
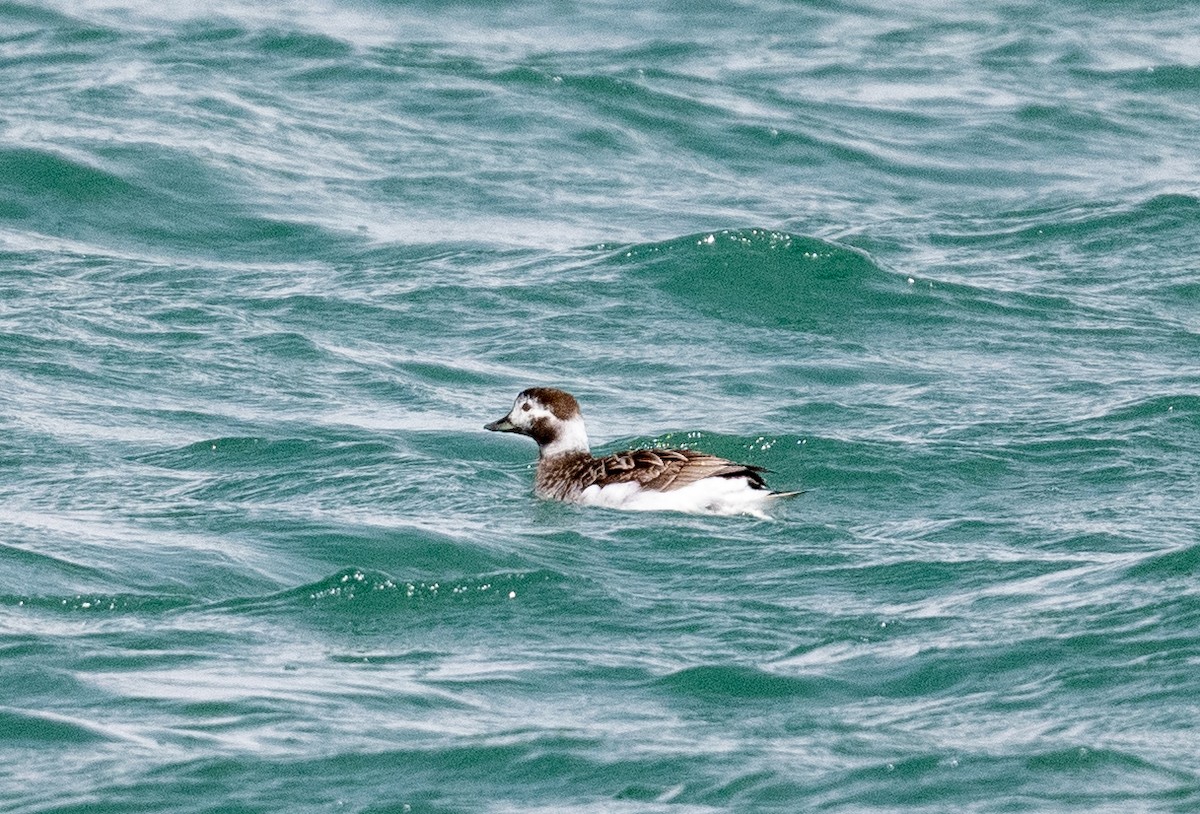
{"x":360,"y":588}
{"x":1178,"y":562}
{"x":958,"y":776}
{"x":97,"y":603}
{"x":41,"y":728}
{"x":1133,"y":436}
{"x":1181,"y":79}
{"x":239,"y":451}
{"x":773,"y":279}
{"x":1097,"y":225}
{"x":763,"y":277}
{"x":143,"y":195}
{"x":27,"y":172}
{"x":747,"y":684}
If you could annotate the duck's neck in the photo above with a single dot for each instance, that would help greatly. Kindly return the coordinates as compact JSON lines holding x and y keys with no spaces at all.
{"x":570,"y":439}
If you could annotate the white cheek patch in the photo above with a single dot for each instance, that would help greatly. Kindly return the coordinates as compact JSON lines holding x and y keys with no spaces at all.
{"x":525,"y":418}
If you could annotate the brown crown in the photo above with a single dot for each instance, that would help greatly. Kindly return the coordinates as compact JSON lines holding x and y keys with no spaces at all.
{"x":562,"y":404}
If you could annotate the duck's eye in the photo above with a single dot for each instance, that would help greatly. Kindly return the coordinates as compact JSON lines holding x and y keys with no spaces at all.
{"x":525,"y":407}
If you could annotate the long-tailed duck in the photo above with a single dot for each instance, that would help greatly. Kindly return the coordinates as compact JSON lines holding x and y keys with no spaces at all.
{"x":665,"y":479}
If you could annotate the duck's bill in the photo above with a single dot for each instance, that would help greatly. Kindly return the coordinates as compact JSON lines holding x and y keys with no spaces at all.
{"x":503,"y":425}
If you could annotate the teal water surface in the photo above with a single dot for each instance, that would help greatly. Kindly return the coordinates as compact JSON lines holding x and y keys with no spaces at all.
{"x":265,"y":272}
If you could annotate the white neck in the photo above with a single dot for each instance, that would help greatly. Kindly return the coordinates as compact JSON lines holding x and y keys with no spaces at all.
{"x":572,"y":437}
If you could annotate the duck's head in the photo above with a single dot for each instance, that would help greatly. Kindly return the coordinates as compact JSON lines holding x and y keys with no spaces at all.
{"x":548,"y":416}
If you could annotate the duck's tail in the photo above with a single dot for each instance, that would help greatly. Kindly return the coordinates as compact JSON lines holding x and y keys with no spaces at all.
{"x":788,"y":494}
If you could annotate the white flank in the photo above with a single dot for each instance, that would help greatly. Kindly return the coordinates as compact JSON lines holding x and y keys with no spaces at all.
{"x":724,"y":496}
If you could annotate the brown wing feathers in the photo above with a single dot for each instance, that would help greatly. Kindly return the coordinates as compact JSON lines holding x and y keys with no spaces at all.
{"x":668,"y":469}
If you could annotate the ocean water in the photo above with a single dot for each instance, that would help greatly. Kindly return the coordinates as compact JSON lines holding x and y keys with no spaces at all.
{"x":267,"y":269}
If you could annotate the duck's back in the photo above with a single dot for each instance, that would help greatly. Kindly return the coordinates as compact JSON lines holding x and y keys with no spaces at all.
{"x":640,"y":475}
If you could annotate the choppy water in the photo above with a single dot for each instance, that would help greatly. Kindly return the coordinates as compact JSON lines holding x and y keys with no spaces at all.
{"x":266,"y":270}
